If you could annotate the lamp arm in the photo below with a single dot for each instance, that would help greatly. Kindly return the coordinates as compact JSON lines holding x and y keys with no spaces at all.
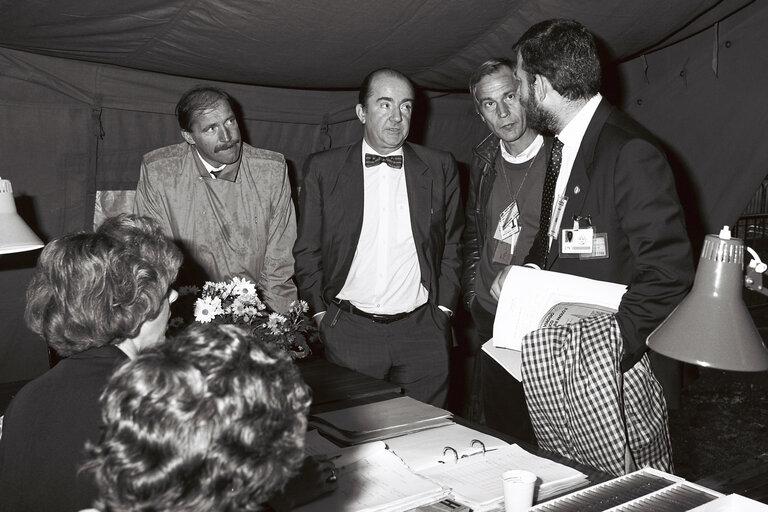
{"x":753,"y":280}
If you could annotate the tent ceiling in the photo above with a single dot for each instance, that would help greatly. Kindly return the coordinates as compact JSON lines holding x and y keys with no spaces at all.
{"x":329,"y":44}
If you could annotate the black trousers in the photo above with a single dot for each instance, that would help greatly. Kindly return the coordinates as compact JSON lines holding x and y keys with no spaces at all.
{"x":412,"y":352}
{"x":501,"y":395}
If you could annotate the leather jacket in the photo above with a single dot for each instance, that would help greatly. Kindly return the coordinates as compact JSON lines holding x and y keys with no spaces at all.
{"x":481,"y":177}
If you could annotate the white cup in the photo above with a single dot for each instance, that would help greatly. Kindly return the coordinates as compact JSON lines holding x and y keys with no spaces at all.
{"x":518,"y":490}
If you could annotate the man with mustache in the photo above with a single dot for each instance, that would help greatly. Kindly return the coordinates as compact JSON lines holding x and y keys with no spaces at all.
{"x":378,"y":250}
{"x":226,"y":203}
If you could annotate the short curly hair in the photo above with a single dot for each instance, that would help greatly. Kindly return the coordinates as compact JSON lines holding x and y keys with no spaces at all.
{"x":96,"y":289}
{"x":565,"y":52}
{"x":209,"y":420}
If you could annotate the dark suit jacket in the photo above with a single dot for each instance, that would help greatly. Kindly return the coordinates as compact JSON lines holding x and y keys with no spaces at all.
{"x":621,"y":178}
{"x":331,"y":217}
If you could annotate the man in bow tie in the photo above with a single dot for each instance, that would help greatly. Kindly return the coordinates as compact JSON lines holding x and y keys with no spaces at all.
{"x":378,"y":247}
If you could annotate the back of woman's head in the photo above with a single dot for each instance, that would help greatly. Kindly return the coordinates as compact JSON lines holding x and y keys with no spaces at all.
{"x":209,"y":420}
{"x":94,"y":289}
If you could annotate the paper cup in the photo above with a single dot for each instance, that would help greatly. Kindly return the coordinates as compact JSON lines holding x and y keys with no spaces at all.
{"x":518,"y":490}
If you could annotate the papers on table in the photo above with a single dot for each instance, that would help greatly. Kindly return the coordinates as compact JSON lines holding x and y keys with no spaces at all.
{"x":531,"y":299}
{"x":379,"y":420}
{"x":373,"y":479}
{"x":476,"y":481}
{"x":413,"y":467}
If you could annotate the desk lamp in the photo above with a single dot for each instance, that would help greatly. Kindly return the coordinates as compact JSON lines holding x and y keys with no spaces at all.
{"x":712,"y":327}
{"x":15,"y":235}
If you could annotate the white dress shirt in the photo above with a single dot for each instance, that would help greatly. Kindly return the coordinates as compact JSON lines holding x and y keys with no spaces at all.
{"x":571,"y":136}
{"x":385,"y":277}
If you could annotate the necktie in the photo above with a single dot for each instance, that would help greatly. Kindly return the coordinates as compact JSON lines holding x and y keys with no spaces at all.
{"x":540,"y":248}
{"x":215,"y":174}
{"x":395,"y":161}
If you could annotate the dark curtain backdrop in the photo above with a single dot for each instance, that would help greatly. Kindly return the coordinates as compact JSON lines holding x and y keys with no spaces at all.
{"x":71,"y":128}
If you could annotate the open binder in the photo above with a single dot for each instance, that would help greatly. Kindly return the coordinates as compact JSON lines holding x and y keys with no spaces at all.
{"x":471,"y":463}
{"x":441,"y":445}
{"x":475,"y":479}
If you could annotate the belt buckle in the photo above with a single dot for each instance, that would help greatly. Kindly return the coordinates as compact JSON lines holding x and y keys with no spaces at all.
{"x":380,"y":319}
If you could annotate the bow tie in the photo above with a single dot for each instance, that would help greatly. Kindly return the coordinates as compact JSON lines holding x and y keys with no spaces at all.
{"x":395,"y":161}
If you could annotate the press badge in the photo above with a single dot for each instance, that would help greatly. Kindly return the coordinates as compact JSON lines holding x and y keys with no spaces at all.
{"x":509,"y":223}
{"x":578,"y":240}
{"x":507,"y":231}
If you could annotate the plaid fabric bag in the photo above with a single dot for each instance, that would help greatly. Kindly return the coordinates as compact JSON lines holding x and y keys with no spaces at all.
{"x":583,"y":407}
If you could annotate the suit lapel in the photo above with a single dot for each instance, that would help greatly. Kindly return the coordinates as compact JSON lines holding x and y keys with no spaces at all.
{"x":418,"y":182}
{"x":352,"y":188}
{"x":578,"y":181}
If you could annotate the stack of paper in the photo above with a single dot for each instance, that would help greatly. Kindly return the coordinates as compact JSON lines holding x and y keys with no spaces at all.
{"x":373,"y":479}
{"x":527,"y":304}
{"x":379,"y":420}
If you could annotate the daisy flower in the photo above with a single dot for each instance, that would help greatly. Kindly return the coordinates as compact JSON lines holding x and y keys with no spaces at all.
{"x":243,"y":286}
{"x":206,"y":309}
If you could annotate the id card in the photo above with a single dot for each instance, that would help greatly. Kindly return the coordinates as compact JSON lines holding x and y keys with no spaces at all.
{"x":577,"y":241}
{"x":509,"y":223}
{"x":599,"y":248}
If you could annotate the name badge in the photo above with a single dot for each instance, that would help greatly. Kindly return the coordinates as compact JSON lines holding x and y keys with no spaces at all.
{"x":509,"y":223}
{"x":577,"y":240}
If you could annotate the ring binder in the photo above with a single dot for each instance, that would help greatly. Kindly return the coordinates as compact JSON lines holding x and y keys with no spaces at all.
{"x":464,"y":455}
{"x":480,"y":443}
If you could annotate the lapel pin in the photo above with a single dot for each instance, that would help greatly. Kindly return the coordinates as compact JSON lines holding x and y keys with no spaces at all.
{"x":576,"y":189}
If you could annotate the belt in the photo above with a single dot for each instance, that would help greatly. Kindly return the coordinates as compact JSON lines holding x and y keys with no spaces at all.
{"x":345,"y":305}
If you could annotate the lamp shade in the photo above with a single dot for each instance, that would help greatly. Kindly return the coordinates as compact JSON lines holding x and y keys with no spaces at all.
{"x":15,"y":235}
{"x":712,"y":326}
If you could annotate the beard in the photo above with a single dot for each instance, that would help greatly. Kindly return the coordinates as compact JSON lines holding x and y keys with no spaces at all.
{"x":537,"y":117}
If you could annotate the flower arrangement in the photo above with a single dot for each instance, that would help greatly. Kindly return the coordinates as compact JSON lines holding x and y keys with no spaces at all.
{"x":237,"y":302}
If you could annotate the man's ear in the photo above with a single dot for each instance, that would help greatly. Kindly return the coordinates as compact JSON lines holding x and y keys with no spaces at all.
{"x":188,"y":137}
{"x":541,"y":87}
{"x":360,"y":111}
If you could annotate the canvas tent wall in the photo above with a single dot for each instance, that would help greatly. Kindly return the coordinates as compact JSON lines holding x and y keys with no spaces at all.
{"x":71,"y":128}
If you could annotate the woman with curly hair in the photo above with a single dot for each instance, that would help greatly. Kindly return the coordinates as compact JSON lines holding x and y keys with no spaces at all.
{"x":209,"y":420}
{"x":96,"y":299}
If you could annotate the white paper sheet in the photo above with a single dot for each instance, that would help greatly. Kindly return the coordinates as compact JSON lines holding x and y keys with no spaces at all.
{"x":528,"y":294}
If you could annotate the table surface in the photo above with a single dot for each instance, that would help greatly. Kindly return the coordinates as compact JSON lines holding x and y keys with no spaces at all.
{"x":335,"y":387}
{"x":750,"y":479}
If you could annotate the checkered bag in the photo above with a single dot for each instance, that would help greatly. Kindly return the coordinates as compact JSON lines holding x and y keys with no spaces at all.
{"x":583,"y":407}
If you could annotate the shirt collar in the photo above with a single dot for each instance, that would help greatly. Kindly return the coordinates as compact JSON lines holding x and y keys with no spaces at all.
{"x":526,"y":154}
{"x":368,"y":149}
{"x":574,"y":131}
{"x":228,"y":175}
